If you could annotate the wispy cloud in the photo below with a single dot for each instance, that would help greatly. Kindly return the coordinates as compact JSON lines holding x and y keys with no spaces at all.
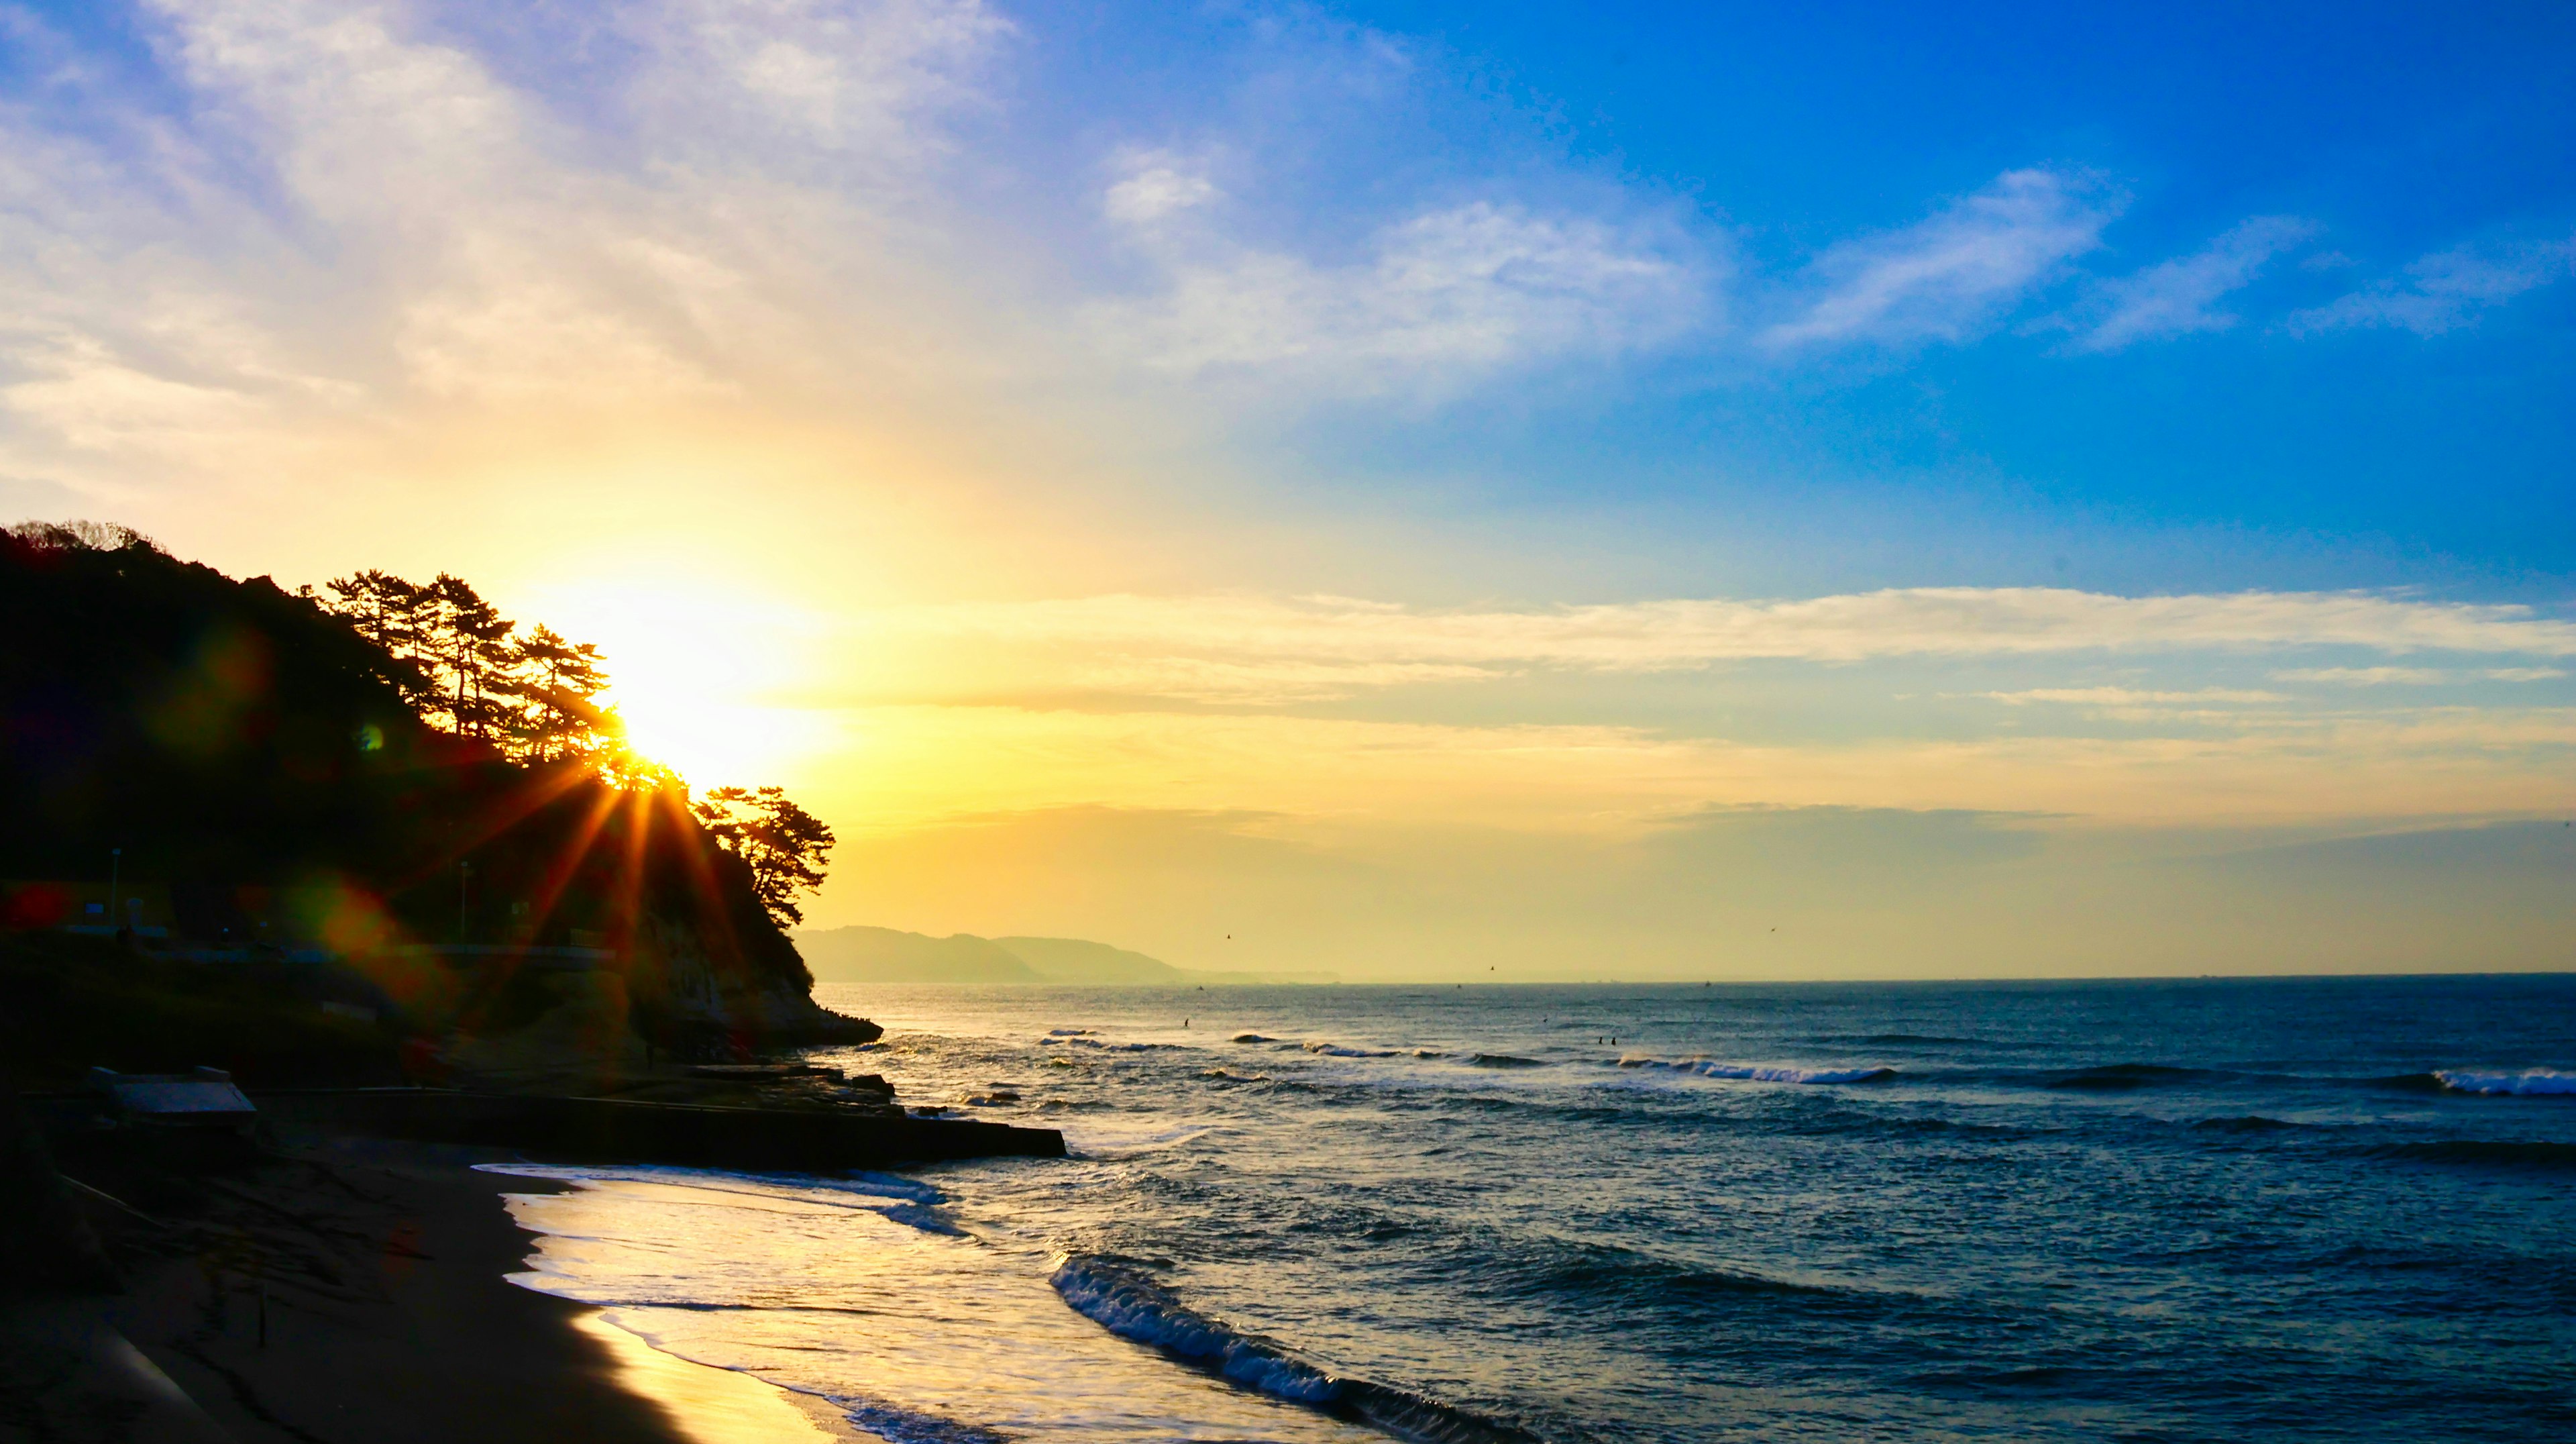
{"x":2438,"y":762}
{"x":359,"y":218}
{"x":1948,"y":277}
{"x":1465,"y":288}
{"x":2446,"y":290}
{"x":2414,"y":676}
{"x":1236,"y":648}
{"x":1153,"y":187}
{"x":2179,"y":296}
{"x":2134,"y":697}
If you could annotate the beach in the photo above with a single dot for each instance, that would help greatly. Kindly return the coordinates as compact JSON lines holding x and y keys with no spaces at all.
{"x":359,"y":1291}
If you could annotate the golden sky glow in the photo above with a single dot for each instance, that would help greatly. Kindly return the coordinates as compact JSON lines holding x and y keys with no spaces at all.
{"x":1106,"y":536}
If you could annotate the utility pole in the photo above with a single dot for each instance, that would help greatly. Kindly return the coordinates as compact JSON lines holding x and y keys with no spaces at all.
{"x":115,"y":864}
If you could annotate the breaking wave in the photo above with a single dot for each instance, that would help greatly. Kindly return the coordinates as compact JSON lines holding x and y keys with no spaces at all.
{"x":1336,"y":1050}
{"x":1758,"y":1072}
{"x":1134,"y":1307}
{"x":2529,"y":1083}
{"x":898,"y":1200}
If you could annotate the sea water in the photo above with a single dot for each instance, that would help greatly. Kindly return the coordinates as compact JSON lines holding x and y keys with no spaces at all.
{"x":2336,"y":1209}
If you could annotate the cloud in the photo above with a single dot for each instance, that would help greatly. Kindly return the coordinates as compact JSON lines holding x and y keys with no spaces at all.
{"x":1461,"y":289}
{"x":1155,"y":186}
{"x":1790,"y":893}
{"x":2413,"y":676}
{"x":357,"y":218}
{"x":2131,"y":697}
{"x":2136,"y":705}
{"x":1239,"y":648}
{"x":857,"y":83}
{"x":2444,"y":291}
{"x":921,"y":761}
{"x":1950,"y":276}
{"x":2177,"y":296}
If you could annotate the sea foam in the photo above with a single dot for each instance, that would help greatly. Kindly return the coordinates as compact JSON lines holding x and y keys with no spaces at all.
{"x":2530,"y":1083}
{"x":1135,"y":1307}
{"x":1757,"y":1072}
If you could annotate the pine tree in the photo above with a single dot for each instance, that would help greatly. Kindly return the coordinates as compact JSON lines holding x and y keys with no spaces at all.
{"x":786,"y":846}
{"x":555,"y":681}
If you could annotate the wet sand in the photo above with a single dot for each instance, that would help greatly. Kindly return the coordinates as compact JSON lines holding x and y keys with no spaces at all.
{"x":356,"y":1292}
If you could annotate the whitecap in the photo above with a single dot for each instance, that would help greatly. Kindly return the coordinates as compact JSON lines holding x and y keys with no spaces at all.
{"x":2529,"y":1083}
{"x":1134,"y":1307}
{"x":1757,"y":1072}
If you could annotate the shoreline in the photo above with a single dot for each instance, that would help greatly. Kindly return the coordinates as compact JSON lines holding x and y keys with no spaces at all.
{"x":352,"y":1290}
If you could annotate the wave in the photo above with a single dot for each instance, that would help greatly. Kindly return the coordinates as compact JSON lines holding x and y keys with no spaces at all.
{"x":1336,"y":1050}
{"x":1251,"y":1038}
{"x":1106,"y":1139}
{"x":1758,"y":1072}
{"x":1847,"y":1123}
{"x":2245,"y":1123}
{"x":1134,"y":1307}
{"x":897,"y":1200}
{"x":2529,"y":1083}
{"x":2119,"y":1077}
{"x":1890,"y":1038}
{"x":2552,"y":1157}
{"x":1083,"y":1042}
{"x":906,"y":1426}
{"x":1503,"y":1060}
{"x":879,"y":1185}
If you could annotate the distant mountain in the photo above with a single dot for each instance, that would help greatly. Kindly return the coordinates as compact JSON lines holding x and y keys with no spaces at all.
{"x":886,"y":955}
{"x":1072,"y":960}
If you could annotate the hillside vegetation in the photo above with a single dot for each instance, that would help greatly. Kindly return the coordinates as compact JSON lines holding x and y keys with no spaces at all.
{"x":311,"y":787}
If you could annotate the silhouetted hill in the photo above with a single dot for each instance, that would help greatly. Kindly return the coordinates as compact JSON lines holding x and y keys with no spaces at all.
{"x":252,"y":757}
{"x":1074,"y":960}
{"x":886,"y":955}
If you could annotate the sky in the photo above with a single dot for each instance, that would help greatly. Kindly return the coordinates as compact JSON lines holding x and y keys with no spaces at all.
{"x":1411,"y":491}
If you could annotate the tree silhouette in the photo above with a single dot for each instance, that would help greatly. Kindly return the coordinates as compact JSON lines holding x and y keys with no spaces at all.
{"x":555,"y":681}
{"x":786,"y":846}
{"x":392,"y":613}
{"x":463,"y":667}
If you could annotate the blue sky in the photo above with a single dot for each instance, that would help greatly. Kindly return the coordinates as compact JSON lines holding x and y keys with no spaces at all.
{"x":2431,"y":447}
{"x":1320,"y":427}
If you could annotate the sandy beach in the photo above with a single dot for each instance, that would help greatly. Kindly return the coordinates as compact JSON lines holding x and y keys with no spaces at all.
{"x":357,"y":1292}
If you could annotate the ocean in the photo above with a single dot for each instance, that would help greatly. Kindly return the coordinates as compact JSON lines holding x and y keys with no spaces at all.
{"x":2313,"y":1209}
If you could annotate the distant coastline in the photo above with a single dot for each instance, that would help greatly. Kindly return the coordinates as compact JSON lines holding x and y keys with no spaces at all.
{"x":889,"y":955}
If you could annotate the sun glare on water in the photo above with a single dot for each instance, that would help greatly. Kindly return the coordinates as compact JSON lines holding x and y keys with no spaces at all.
{"x":690,"y":668}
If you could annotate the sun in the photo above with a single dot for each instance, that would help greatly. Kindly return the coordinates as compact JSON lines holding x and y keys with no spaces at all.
{"x":693,"y":672}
